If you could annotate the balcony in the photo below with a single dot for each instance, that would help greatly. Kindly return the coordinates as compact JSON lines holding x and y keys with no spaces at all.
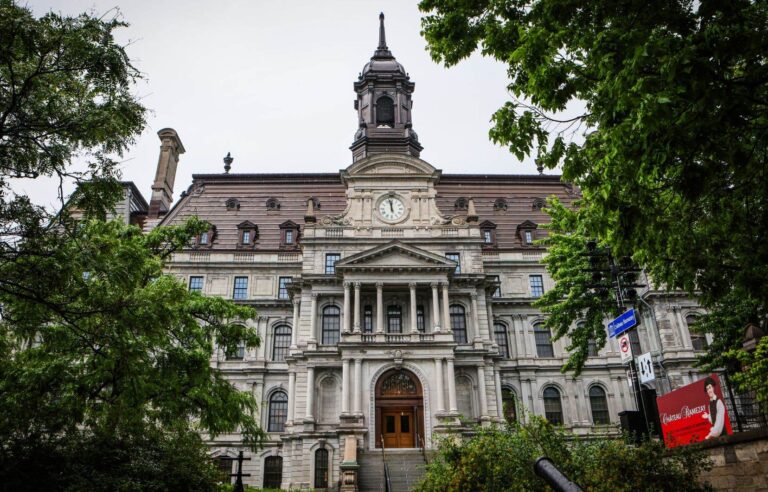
{"x":396,"y":338}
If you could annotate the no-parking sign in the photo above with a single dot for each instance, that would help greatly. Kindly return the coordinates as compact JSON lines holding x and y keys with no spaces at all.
{"x":625,"y":349}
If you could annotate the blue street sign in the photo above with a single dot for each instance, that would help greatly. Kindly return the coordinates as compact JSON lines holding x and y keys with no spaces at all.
{"x":623,"y":323}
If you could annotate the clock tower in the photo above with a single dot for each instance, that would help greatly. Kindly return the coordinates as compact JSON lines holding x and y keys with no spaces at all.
{"x":384,"y":106}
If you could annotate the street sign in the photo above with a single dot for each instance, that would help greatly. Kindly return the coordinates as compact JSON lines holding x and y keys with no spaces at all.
{"x":625,"y":349}
{"x":645,"y":368}
{"x":623,"y":323}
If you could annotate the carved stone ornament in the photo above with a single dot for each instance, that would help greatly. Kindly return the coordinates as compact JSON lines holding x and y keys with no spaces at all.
{"x":458,"y":221}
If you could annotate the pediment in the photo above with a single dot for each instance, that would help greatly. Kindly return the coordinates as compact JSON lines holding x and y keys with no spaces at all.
{"x":395,"y":255}
{"x":390,"y":164}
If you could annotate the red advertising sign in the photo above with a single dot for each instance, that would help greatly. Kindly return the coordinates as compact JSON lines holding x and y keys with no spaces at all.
{"x":694,"y":413}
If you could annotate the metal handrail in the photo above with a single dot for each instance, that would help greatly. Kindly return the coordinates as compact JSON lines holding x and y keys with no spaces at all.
{"x":387,"y":481}
{"x":420,"y":445}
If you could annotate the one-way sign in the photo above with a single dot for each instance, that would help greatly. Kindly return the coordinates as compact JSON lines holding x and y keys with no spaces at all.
{"x":623,"y":323}
{"x":645,"y":368}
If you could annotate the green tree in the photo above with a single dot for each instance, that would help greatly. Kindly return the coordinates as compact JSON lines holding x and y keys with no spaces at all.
{"x":502,"y":460}
{"x":658,"y":115}
{"x":105,"y":381}
{"x":103,"y":345}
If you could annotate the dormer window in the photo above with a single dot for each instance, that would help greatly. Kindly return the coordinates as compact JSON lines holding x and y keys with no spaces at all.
{"x":289,"y":235}
{"x":527,"y":233}
{"x":206,"y":238}
{"x":461,"y":204}
{"x":248,"y":233}
{"x":488,"y":233}
{"x":385,"y":112}
{"x":273,"y":204}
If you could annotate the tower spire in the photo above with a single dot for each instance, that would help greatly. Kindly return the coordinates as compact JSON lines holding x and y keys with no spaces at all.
{"x":382,"y":35}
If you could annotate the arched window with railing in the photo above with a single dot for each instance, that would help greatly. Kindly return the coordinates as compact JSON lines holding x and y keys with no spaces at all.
{"x":278,"y":412}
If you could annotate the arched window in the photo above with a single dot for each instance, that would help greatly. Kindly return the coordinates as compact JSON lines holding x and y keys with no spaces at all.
{"x":281,"y":343}
{"x":321,"y":468}
{"x":273,"y":472}
{"x":543,"y":341}
{"x":599,"y":404}
{"x":394,"y":319}
{"x":278,"y":412}
{"x":553,"y":408}
{"x":385,"y":112}
{"x":458,"y":323}
{"x":509,"y":405}
{"x":331,"y":325}
{"x":500,"y":335}
{"x":698,"y":340}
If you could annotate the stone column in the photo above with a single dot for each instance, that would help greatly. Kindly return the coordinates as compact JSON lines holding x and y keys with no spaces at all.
{"x":685,"y":333}
{"x":313,"y":317}
{"x":440,"y":404}
{"x":414,"y":327}
{"x":261,"y":349}
{"x":379,"y":307}
{"x":446,"y":312}
{"x":523,"y":335}
{"x":310,"y":393}
{"x":345,"y":387}
{"x":356,"y":326}
{"x":451,"y":387}
{"x":475,"y":316}
{"x":481,"y":389}
{"x":291,"y":395}
{"x":499,"y":401}
{"x":346,"y":308}
{"x":295,"y":327}
{"x":435,"y":308}
{"x":358,"y":386}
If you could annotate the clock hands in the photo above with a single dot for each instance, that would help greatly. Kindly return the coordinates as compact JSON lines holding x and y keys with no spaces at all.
{"x":390,"y":206}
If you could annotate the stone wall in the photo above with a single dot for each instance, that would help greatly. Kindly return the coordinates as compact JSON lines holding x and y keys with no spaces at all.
{"x":740,"y":463}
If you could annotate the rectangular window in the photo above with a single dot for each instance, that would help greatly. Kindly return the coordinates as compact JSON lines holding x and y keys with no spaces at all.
{"x":246,"y":237}
{"x":237,"y":354}
{"x":497,"y":290}
{"x":330,"y":263}
{"x":368,"y":319}
{"x":487,"y":237}
{"x":241,"y":288}
{"x":288,"y":236}
{"x":394,"y":320}
{"x":196,"y":284}
{"x":457,"y":258}
{"x":420,"y":324}
{"x":282,"y":287}
{"x":204,"y":238}
{"x":543,"y":338}
{"x":537,"y":285}
{"x":634,"y":343}
{"x":528,"y":237}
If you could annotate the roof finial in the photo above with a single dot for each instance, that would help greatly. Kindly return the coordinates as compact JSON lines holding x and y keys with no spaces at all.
{"x":382,"y":37}
{"x":228,"y":163}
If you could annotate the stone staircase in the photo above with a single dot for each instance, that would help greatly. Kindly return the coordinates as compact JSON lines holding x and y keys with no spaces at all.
{"x":406,"y":468}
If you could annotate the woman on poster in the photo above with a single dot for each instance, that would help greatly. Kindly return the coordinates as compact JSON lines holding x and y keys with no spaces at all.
{"x":716,"y":414}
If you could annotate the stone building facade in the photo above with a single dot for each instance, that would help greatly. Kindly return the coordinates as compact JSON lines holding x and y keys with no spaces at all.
{"x":394,"y":301}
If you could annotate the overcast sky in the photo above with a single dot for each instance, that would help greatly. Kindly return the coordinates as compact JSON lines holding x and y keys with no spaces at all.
{"x":271,"y":82}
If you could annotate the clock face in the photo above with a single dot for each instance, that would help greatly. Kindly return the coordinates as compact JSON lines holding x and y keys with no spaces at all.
{"x":391,"y":208}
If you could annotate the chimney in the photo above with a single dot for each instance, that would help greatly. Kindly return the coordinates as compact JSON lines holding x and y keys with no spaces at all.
{"x":162,"y":189}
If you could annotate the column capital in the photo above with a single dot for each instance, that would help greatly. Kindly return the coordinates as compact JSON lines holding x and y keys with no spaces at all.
{"x":473,"y":295}
{"x":357,"y":285}
{"x":444,"y":285}
{"x":412,"y":285}
{"x":379,"y":285}
{"x":296,"y":301}
{"x":314,"y":296}
{"x":347,"y":285}
{"x":434,"y":285}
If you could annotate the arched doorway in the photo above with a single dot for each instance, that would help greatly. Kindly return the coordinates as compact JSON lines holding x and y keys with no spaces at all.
{"x":399,"y":410}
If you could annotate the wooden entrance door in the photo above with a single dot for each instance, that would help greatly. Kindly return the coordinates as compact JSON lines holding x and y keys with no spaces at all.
{"x":397,"y":428}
